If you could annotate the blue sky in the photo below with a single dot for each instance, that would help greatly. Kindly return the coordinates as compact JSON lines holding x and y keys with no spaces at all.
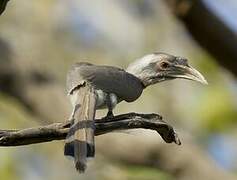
{"x":226,"y":10}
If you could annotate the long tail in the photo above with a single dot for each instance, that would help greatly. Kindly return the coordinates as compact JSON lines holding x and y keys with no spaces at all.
{"x":80,"y":139}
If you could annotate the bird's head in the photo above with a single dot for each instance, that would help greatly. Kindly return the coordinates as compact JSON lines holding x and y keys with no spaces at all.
{"x":158,"y":67}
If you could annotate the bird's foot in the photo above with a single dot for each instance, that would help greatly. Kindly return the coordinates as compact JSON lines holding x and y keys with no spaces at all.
{"x":109,"y":115}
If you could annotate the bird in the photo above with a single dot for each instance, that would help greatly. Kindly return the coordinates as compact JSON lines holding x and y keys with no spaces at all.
{"x":91,"y":87}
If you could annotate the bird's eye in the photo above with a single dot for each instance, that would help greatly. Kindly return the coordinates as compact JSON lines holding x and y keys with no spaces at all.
{"x":164,"y":65}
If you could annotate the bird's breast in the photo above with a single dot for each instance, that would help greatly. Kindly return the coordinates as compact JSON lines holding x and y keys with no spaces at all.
{"x":103,"y":98}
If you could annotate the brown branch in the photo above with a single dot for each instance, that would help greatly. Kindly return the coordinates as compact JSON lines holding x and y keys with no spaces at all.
{"x":3,"y":4}
{"x":58,"y":131}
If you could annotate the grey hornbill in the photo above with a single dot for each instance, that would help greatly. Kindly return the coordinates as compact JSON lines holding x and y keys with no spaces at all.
{"x":92,"y":87}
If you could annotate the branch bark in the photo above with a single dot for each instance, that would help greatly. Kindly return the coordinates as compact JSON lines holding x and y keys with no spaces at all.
{"x":58,"y":131}
{"x":3,"y":4}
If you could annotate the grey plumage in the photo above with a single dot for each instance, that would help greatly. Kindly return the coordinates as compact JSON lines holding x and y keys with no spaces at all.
{"x":85,"y":82}
{"x":92,"y":87}
{"x":107,"y":78}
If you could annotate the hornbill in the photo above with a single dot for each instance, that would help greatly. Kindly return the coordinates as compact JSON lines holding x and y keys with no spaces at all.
{"x":91,"y":87}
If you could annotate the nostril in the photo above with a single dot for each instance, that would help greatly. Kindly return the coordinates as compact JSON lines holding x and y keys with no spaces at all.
{"x":182,"y":61}
{"x":185,"y":61}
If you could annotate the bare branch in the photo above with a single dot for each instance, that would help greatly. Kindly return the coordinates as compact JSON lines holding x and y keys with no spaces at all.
{"x":58,"y":131}
{"x":3,"y":4}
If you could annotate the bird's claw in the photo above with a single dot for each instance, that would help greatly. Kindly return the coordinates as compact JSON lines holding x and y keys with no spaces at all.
{"x":109,"y":116}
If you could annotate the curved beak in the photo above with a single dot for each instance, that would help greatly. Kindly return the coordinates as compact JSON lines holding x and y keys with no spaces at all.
{"x":188,"y":72}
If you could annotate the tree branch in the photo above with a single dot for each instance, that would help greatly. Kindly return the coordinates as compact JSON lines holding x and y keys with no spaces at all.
{"x":58,"y":131}
{"x":3,"y":4}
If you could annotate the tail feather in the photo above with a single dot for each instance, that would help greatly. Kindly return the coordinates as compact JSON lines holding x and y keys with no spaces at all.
{"x":80,"y":154}
{"x":80,"y":140}
{"x":90,"y":131}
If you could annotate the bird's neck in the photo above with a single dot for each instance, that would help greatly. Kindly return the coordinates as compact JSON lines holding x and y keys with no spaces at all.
{"x":141,"y":75}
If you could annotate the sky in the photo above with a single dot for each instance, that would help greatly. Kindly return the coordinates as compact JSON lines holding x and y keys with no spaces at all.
{"x":226,"y":10}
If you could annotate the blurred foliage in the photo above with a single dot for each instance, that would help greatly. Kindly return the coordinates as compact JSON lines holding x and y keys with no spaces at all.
{"x":48,"y":36}
{"x":217,"y":111}
{"x":7,"y":167}
{"x":140,"y":173}
{"x":16,"y":116}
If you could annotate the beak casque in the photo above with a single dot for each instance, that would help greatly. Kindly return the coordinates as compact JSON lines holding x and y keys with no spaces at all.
{"x":188,"y":72}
